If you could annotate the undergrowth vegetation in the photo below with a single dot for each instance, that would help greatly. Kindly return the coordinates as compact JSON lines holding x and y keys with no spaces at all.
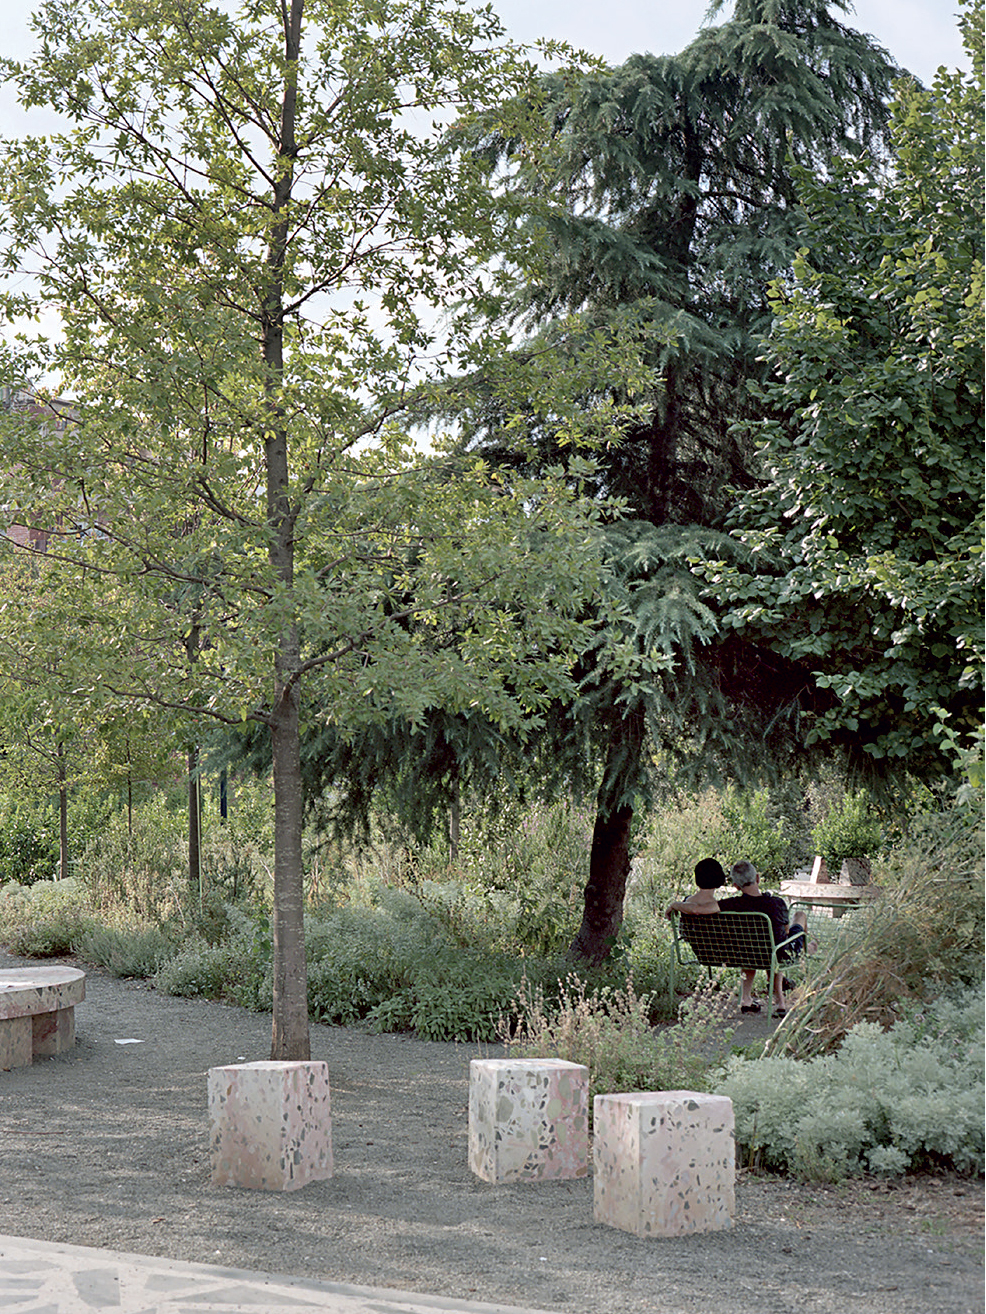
{"x":873,"y":1070}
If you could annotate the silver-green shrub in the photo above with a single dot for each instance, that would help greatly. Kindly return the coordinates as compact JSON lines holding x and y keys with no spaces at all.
{"x":887,"y":1101}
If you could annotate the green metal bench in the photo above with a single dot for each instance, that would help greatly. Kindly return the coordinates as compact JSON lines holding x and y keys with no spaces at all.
{"x":732,"y":939}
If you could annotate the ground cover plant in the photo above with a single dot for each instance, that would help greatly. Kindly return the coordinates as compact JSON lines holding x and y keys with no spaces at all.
{"x":610,"y":1031}
{"x":887,"y":1101}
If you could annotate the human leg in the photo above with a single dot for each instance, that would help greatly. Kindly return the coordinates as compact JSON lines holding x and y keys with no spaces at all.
{"x":747,"y":1003}
{"x":780,"y":1007}
{"x":799,"y":922}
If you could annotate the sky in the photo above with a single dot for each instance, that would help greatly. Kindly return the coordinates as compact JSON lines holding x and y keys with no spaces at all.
{"x":919,"y":34}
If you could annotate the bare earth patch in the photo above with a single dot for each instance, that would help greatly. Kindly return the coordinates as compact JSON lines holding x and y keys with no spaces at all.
{"x":107,"y":1146}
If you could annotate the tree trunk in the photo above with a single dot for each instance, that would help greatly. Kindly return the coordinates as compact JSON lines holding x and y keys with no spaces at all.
{"x":194,"y":828}
{"x":609,"y":867}
{"x":290,"y":1038}
{"x":609,"y":858}
{"x":454,"y":823}
{"x":62,"y":815}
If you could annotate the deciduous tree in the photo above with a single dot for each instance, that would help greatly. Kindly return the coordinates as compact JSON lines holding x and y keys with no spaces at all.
{"x":867,"y":530}
{"x":245,"y":228}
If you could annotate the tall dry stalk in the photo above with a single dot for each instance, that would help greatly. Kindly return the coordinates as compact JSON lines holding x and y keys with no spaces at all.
{"x":925,"y":933}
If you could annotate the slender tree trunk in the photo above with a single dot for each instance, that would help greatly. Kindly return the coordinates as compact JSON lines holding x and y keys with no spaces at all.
{"x":454,"y":823}
{"x":609,"y":858}
{"x":290,"y":1037}
{"x":62,"y":815}
{"x":194,"y":827}
{"x":130,"y":795}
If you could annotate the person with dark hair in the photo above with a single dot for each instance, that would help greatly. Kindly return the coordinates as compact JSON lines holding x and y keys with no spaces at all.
{"x":709,"y":876}
{"x":751,"y":898}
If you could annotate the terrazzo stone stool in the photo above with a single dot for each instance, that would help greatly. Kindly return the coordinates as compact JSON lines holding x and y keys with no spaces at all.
{"x":37,"y":1012}
{"x":270,"y":1125}
{"x":664,"y":1162}
{"x":528,"y":1119}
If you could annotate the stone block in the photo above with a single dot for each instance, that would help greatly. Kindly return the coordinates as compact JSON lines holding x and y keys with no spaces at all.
{"x":528,"y":1119}
{"x":664,"y":1162}
{"x":270,"y":1125}
{"x":820,"y":872}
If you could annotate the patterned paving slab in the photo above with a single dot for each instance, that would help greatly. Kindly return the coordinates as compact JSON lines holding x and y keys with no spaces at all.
{"x":37,"y":1277}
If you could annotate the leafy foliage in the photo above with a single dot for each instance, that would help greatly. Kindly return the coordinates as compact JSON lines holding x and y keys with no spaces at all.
{"x":850,"y":829}
{"x":924,"y":934}
{"x":867,"y":529}
{"x":667,"y":202}
{"x":237,"y":506}
{"x":43,"y":920}
{"x":28,"y":843}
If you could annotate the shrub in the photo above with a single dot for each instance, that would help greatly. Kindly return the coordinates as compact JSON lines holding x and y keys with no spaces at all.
{"x":45,"y":920}
{"x":519,"y":879}
{"x":235,"y":968}
{"x":677,"y":836}
{"x":888,"y":1101}
{"x":28,"y":841}
{"x":923,"y":934}
{"x":608,"y":1030}
{"x":850,"y":829}
{"x":459,"y":997}
{"x":134,"y":951}
{"x":759,"y":831}
{"x":139,"y":866}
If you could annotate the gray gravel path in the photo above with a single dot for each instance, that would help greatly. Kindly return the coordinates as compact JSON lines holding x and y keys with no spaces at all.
{"x":107,"y":1146}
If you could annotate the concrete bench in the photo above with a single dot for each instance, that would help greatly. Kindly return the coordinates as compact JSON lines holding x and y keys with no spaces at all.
{"x":528,"y":1119}
{"x":664,"y":1162}
{"x":270,"y":1125}
{"x":37,"y":1012}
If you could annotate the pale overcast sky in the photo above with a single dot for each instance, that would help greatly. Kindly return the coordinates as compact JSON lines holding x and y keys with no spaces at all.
{"x":919,"y":34}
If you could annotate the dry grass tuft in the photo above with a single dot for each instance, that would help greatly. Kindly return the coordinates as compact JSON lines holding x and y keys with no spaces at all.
{"x":924,"y":934}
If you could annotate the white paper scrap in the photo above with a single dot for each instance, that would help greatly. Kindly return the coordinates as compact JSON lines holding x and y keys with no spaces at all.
{"x":129,"y":1042}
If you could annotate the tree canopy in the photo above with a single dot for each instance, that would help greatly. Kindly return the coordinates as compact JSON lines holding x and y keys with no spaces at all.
{"x":245,"y":229}
{"x":669,"y":199}
{"x":867,"y":528}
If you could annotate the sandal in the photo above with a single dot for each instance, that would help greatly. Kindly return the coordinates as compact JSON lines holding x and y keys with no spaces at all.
{"x":749,"y":1008}
{"x":779,"y":1012}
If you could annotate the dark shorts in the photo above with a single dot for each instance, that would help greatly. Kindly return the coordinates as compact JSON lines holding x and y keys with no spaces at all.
{"x":793,"y":949}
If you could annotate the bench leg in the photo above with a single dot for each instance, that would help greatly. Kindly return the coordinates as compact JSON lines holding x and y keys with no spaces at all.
{"x":16,"y":1044}
{"x":53,"y":1033}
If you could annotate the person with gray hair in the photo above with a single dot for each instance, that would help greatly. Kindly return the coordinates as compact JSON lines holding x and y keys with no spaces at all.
{"x":745,"y":877}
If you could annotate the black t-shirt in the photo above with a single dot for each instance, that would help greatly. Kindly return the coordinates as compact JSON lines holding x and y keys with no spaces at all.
{"x":765,"y":902}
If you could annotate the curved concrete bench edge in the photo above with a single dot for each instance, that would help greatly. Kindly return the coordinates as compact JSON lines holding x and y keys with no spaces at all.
{"x":37,"y":1012}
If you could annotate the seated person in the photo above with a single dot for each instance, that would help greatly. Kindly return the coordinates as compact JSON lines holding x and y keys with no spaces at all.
{"x":709,"y":875}
{"x":751,"y":898}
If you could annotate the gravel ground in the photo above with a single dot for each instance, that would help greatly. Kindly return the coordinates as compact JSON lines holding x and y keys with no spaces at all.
{"x":107,"y":1146}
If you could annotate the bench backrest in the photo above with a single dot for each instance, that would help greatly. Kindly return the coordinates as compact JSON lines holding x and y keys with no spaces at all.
{"x":735,"y":939}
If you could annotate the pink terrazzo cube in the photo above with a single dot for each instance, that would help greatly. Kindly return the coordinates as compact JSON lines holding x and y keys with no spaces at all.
{"x":528,"y":1119}
{"x":270,"y":1125}
{"x":664,"y":1162}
